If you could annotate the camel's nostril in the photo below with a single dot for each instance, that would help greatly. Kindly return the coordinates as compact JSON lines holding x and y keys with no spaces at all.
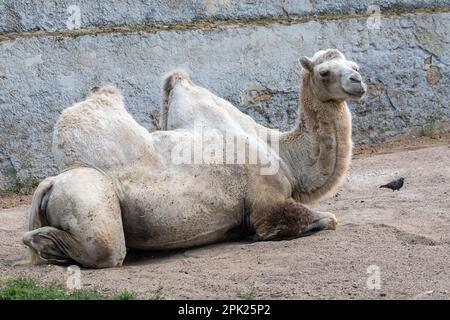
{"x":355,"y":79}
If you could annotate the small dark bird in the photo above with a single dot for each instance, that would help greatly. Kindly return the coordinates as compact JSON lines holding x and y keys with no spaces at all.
{"x":394,"y":185}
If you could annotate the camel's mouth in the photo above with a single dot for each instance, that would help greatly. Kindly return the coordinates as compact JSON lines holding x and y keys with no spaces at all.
{"x":356,"y":95}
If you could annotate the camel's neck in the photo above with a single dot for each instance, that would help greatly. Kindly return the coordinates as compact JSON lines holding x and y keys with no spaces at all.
{"x":317,"y":152}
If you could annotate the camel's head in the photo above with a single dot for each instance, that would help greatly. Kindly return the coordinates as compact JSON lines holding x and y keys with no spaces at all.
{"x":332,"y":77}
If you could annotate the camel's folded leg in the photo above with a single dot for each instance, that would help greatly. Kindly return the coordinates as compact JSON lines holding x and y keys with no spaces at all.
{"x":81,"y":222}
{"x":53,"y":245}
{"x":290,"y":219}
{"x":321,"y":221}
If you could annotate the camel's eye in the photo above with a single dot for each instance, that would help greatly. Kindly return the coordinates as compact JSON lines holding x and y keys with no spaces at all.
{"x":324,"y":74}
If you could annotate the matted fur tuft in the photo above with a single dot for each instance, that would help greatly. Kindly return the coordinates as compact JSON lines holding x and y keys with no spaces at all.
{"x":106,"y":90}
{"x":170,"y":80}
{"x":326,"y":55}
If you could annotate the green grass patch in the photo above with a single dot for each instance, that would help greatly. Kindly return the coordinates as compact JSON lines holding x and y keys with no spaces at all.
{"x":24,"y":288}
{"x":158,"y":294}
{"x":246,"y":294}
{"x":431,"y":128}
{"x":23,"y":186}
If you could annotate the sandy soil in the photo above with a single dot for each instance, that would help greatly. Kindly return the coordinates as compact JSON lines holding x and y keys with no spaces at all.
{"x":405,"y":235}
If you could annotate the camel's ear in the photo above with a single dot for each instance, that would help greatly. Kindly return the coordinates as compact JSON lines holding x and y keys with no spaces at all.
{"x":307,"y":63}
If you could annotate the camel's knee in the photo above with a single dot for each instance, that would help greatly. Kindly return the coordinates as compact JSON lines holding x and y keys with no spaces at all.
{"x":290,"y":219}
{"x":286,"y":219}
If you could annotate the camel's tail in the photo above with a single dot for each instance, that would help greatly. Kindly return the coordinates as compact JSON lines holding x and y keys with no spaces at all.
{"x":37,"y":211}
{"x":170,"y":80}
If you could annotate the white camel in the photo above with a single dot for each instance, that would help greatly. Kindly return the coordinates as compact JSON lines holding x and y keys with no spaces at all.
{"x":123,"y":187}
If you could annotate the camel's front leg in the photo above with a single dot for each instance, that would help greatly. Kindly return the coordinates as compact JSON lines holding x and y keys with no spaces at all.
{"x":289,"y":219}
{"x":322,"y":221}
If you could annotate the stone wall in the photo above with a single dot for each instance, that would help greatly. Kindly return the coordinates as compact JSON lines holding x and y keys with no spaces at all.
{"x":53,"y":52}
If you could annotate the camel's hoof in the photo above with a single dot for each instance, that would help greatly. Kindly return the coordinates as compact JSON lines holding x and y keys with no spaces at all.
{"x":332,"y":223}
{"x":326,"y":221}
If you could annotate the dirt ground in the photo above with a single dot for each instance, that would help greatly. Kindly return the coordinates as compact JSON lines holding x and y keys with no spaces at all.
{"x":404,"y":237}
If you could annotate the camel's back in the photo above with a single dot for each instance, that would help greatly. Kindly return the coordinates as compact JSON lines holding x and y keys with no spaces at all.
{"x":193,"y":106}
